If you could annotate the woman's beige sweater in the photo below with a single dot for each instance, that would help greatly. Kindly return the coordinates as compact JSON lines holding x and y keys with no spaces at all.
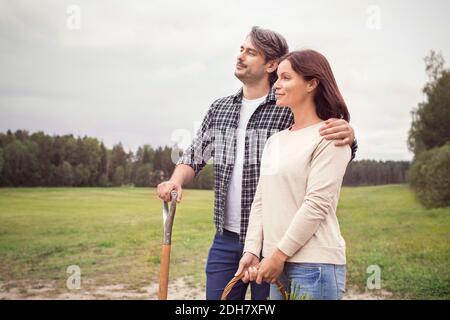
{"x":294,"y":208}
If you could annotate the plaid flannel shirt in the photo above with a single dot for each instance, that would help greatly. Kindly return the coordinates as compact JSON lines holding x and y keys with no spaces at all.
{"x":216,"y":139}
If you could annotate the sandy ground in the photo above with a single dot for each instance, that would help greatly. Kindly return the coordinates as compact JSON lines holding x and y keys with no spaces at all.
{"x":178,"y":290}
{"x":354,"y":294}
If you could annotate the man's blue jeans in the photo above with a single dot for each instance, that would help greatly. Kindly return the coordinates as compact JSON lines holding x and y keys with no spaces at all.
{"x":223,"y":261}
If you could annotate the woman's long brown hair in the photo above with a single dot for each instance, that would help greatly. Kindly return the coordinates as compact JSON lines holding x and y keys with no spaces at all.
{"x":310,"y":65}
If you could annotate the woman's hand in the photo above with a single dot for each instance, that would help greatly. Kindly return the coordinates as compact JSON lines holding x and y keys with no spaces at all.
{"x":338,"y":129}
{"x":248,"y":260}
{"x":270,"y":268}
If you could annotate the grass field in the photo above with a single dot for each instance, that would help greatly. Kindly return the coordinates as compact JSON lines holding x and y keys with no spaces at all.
{"x":114,"y":235}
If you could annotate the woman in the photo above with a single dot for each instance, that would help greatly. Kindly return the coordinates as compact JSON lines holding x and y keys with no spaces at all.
{"x":293,"y":216}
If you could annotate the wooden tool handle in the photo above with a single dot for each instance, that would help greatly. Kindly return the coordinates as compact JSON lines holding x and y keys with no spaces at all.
{"x":164,"y":272}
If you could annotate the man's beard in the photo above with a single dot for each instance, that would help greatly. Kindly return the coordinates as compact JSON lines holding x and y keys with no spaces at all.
{"x":242,"y":76}
{"x":247,"y":77}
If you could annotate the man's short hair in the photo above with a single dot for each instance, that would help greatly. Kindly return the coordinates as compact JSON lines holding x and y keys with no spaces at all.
{"x":270,"y":44}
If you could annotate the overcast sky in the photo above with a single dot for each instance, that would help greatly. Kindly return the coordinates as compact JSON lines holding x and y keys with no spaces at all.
{"x":141,"y":72}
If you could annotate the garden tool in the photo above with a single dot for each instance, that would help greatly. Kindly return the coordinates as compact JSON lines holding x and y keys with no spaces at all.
{"x":168,"y":217}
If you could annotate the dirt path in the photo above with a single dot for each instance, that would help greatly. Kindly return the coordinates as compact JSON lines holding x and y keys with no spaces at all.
{"x":354,"y":294}
{"x":178,"y":290}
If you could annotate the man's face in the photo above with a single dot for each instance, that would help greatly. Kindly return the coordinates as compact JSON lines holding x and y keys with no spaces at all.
{"x":250,"y":64}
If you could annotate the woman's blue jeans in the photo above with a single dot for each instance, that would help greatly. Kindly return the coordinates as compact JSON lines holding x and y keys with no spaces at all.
{"x":317,"y":281}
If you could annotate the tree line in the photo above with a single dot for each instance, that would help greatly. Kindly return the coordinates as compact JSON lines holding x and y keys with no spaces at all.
{"x":38,"y":159}
{"x":372,"y":172}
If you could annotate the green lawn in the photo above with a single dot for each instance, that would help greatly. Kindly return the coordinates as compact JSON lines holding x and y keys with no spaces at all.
{"x":114,"y":235}
{"x":385,"y":226}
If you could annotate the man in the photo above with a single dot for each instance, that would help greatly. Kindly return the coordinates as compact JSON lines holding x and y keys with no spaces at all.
{"x":233,"y":133}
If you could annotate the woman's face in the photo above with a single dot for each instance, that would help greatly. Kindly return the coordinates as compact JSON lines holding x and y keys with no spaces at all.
{"x":290,"y":88}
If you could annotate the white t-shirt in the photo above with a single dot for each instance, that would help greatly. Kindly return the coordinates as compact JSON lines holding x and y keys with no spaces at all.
{"x":233,"y":202}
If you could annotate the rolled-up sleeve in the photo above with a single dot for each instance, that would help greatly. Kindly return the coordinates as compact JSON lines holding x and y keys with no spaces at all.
{"x":200,"y":150}
{"x":354,"y":149}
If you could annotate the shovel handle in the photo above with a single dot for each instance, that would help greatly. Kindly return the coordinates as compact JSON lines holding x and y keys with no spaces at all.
{"x":170,"y":215}
{"x":164,"y":272}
